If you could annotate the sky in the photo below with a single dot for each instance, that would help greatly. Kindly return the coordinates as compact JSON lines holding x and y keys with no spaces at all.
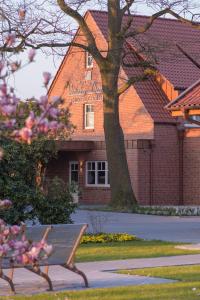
{"x":28,"y":81}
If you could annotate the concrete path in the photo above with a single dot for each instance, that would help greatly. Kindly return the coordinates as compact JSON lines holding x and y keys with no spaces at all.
{"x":100,"y":275}
{"x":182,"y":229}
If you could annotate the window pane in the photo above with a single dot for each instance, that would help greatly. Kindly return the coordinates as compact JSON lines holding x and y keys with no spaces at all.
{"x":90,"y":120}
{"x":89,"y":59}
{"x":74,"y":176}
{"x":91,"y":177}
{"x":101,"y":178}
{"x":87,"y":109}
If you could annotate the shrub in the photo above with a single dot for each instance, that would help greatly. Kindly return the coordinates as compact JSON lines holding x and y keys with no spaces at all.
{"x":18,"y":177}
{"x":107,"y":238}
{"x":57,"y":204}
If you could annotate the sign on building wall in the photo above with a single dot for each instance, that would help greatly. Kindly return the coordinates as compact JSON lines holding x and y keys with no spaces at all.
{"x":84,"y":91}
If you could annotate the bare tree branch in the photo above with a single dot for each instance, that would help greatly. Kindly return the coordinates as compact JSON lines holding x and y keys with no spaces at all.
{"x":92,"y":47}
{"x":132,"y":81}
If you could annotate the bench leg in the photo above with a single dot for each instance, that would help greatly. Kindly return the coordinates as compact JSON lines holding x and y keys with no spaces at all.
{"x":74,"y":269}
{"x":9,"y":280}
{"x":37,"y":270}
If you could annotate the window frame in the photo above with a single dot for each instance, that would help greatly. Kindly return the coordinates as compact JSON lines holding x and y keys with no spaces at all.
{"x":96,"y":174}
{"x":87,"y":56}
{"x":85,"y":116}
{"x":71,"y":162}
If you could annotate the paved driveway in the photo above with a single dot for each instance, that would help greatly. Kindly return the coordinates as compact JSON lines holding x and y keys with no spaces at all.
{"x":183,"y":229}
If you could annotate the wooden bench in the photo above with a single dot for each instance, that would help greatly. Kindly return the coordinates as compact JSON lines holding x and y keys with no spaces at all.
{"x":65,"y":239}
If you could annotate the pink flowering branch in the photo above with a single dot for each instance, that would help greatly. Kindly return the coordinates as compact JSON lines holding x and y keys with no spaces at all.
{"x":25,"y":121}
{"x":15,"y":246}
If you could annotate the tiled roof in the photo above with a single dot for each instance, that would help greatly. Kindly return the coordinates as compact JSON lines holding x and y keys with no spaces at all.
{"x":171,"y":42}
{"x":189,"y":99}
{"x":149,"y":91}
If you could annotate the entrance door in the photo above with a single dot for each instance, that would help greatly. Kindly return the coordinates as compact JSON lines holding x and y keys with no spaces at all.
{"x":73,"y":172}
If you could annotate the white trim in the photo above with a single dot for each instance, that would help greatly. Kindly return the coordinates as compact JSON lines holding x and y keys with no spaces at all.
{"x":85,"y":116}
{"x":96,"y":174}
{"x":70,"y":169}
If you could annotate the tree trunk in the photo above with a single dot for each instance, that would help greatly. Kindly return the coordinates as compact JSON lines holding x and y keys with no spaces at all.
{"x":121,"y":189}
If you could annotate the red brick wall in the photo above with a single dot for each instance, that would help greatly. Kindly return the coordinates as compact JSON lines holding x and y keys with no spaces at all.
{"x":166,"y":166}
{"x":191,"y":170}
{"x":158,"y":168}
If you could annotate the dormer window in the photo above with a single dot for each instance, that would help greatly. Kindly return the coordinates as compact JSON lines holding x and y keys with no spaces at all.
{"x":89,"y":60}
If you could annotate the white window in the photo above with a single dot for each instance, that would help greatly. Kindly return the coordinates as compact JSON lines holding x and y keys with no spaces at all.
{"x":89,"y":60}
{"x":97,"y":173}
{"x":195,"y":118}
{"x":73,"y":172}
{"x":89,"y":116}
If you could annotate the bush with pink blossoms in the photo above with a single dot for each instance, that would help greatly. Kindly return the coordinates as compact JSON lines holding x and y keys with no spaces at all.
{"x":15,"y":246}
{"x":23,"y":124}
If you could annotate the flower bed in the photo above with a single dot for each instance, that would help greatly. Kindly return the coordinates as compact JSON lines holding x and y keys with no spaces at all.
{"x":107,"y":238}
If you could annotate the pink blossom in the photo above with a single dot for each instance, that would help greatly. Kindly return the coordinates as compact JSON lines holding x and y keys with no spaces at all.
{"x":43,"y":126}
{"x":47,"y":77}
{"x":43,"y":101}
{"x":14,"y":66}
{"x":5,"y":203}
{"x":48,"y":249}
{"x":25,"y":134}
{"x":10,"y":39}
{"x":15,"y":229}
{"x":24,"y":259}
{"x":30,"y":121}
{"x":2,"y":64}
{"x":53,"y":112}
{"x":53,"y":125}
{"x":31,"y":54}
{"x":34,"y":252}
{"x":3,"y":89}
{"x":8,"y":109}
{"x":22,"y":14}
{"x":2,"y":223}
{"x":10,"y":123}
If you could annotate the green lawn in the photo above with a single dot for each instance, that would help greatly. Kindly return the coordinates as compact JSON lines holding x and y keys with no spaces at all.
{"x":126,"y":250}
{"x":182,"y":273}
{"x":187,"y":289}
{"x":172,"y":291}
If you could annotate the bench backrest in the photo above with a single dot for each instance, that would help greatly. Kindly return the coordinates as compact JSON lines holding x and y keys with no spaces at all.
{"x":64,"y":238}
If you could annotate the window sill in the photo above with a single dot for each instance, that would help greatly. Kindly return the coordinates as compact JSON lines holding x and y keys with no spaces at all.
{"x":97,"y":187}
{"x":88,"y":129}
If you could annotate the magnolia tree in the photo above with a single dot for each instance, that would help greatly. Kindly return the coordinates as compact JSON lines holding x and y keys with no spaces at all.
{"x":24,"y":121}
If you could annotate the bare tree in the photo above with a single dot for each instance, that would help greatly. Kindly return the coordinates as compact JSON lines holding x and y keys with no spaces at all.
{"x":43,"y":24}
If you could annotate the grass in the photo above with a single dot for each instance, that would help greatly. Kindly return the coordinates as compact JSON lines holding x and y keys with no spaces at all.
{"x":188,"y":289}
{"x":126,"y":250}
{"x":182,"y":273}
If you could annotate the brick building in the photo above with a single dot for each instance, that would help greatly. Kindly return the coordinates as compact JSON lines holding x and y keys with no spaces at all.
{"x":163,"y":152}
